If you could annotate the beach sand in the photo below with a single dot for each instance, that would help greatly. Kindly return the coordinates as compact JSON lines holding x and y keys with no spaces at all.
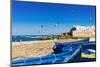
{"x":31,"y":49}
{"x":28,"y":49}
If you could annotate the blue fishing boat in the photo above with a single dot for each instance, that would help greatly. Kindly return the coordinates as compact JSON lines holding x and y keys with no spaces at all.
{"x":63,"y":53}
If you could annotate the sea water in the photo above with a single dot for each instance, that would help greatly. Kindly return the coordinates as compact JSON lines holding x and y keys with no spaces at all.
{"x":18,"y":38}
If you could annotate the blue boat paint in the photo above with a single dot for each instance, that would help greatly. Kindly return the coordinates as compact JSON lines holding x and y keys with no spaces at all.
{"x":61,"y":57}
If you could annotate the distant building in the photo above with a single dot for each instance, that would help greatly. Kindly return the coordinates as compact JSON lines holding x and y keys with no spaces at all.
{"x":83,"y":31}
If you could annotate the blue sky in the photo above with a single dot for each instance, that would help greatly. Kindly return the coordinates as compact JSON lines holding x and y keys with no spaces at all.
{"x":28,"y":17}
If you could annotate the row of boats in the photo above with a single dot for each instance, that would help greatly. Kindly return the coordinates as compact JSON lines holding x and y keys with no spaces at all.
{"x":63,"y":53}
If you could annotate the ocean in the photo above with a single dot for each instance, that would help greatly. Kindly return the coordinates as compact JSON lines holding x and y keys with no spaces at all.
{"x":18,"y":38}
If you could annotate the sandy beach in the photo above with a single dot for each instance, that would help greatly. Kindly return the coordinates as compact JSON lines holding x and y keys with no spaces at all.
{"x":27,"y":49}
{"x":31,"y":49}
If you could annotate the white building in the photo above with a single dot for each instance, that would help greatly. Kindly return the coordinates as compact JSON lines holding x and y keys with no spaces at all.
{"x":83,"y":31}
